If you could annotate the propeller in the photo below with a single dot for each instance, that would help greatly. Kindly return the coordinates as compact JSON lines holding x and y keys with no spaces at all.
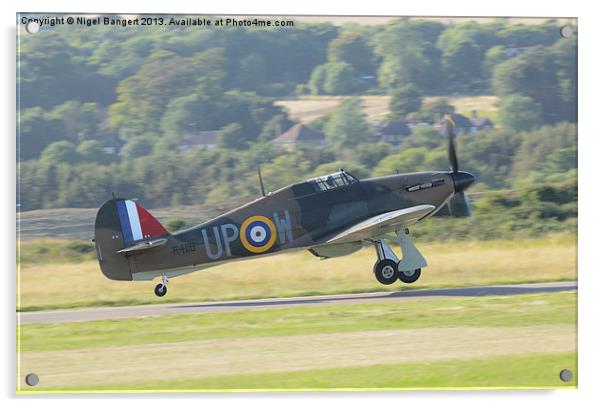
{"x":459,"y":204}
{"x":451,"y":143}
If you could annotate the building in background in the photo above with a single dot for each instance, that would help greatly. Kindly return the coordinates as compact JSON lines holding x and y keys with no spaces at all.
{"x":201,"y":139}
{"x":394,"y":132}
{"x":300,"y":134}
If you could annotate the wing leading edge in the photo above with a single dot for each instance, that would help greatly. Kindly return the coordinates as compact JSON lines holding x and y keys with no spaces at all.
{"x":382,"y":224}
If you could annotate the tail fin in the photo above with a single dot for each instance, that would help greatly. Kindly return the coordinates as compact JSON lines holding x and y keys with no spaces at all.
{"x":136,"y":222}
{"x":121,"y":223}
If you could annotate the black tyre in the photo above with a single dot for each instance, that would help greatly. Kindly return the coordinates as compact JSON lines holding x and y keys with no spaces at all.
{"x":385,"y":271}
{"x":409,"y":276}
{"x":160,"y":290}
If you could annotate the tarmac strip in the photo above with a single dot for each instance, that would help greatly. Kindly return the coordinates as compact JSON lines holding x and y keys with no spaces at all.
{"x":95,"y":314}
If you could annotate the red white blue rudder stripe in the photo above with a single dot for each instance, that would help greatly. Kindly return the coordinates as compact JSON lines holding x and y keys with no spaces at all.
{"x":137,"y":223}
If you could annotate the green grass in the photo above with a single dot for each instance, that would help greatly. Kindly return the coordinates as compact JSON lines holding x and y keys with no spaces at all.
{"x":519,"y":310}
{"x":451,"y":264}
{"x":503,"y":341}
{"x":532,"y":371}
{"x":44,"y":251}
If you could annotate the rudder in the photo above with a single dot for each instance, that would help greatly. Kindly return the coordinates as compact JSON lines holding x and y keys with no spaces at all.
{"x":119,"y":224}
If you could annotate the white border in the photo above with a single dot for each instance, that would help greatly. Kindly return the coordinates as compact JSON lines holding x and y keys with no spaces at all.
{"x":589,"y":152}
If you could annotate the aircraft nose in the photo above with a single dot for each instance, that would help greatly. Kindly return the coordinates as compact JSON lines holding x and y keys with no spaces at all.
{"x":462,"y":180}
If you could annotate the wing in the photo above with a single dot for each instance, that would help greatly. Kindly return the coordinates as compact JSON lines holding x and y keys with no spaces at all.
{"x":382,"y":224}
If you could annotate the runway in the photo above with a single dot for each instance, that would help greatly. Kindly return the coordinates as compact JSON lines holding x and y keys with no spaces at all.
{"x":94,"y":314}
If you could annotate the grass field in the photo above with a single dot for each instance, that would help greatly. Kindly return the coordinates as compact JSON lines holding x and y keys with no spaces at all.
{"x":486,"y":342}
{"x":308,"y":108}
{"x":81,"y":284}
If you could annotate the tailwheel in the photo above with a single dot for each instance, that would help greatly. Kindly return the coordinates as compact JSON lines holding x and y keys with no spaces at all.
{"x":385,"y":271}
{"x":160,"y":290}
{"x":409,"y":276}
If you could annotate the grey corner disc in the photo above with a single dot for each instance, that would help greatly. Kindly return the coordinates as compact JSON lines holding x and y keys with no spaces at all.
{"x":566,"y":31}
{"x":32,"y":379}
{"x":566,"y":375}
{"x":32,"y":27}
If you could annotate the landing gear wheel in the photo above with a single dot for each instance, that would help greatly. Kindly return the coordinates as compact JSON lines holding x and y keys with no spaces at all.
{"x":385,"y":271}
{"x":160,"y":290}
{"x":409,"y":276}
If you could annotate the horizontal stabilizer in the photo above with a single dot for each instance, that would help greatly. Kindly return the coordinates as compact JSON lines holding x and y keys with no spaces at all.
{"x":144,"y":246}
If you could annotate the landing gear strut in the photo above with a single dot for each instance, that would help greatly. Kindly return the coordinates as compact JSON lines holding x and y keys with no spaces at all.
{"x":389,"y":268}
{"x":161,"y":288}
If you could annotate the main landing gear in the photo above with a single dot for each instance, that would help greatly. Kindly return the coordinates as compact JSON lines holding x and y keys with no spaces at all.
{"x":161,"y":288}
{"x":389,"y":268}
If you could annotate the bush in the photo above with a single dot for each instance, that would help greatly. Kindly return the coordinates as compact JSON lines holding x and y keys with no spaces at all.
{"x":176,"y":223}
{"x":80,"y":247}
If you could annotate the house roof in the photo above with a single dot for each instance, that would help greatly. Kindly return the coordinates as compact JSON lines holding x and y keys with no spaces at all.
{"x":299,"y":133}
{"x":396,"y":127}
{"x":459,"y":120}
{"x":201,"y":138}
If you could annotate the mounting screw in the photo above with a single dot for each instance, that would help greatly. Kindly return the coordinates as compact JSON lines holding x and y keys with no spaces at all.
{"x":566,"y":375}
{"x":566,"y":31}
{"x":32,"y":27}
{"x":32,"y":379}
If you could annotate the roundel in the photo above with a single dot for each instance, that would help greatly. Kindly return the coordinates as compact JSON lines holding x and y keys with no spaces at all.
{"x":257,"y":234}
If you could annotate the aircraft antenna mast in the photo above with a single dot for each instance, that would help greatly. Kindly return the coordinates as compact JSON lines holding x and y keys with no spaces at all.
{"x":260,"y":181}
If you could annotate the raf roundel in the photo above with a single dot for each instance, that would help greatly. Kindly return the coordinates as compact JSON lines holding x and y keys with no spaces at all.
{"x":258,"y":234}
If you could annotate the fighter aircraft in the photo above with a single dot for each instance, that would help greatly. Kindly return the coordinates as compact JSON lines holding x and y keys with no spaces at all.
{"x":330,"y":216}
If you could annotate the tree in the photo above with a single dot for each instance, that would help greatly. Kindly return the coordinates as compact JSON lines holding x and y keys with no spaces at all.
{"x":540,"y":144}
{"x":195,"y":112}
{"x":352,"y":48}
{"x":520,"y":113}
{"x":340,"y":79}
{"x":535,"y":74}
{"x":528,"y":35}
{"x":369,"y":154}
{"x":407,"y":58}
{"x":316,"y":82}
{"x":347,"y":126}
{"x":232,"y":137}
{"x":37,"y":129}
{"x":143,"y":97}
{"x":462,"y":65}
{"x":60,"y":152}
{"x":81,"y":121}
{"x":411,"y":160}
{"x":91,"y":151}
{"x":252,"y":71}
{"x":136,"y":147}
{"x":565,"y":55}
{"x":426,"y":137}
{"x":52,"y":71}
{"x":405,"y":100}
{"x":463,"y":48}
{"x":493,"y":57}
{"x":432,"y":109}
{"x":429,"y":30}
{"x":274,"y":127}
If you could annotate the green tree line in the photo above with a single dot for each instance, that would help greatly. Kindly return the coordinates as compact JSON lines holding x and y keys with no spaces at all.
{"x":500,"y":158}
{"x":141,"y":91}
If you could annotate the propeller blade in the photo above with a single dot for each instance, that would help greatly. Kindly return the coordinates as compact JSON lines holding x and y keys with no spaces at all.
{"x":459,"y":206}
{"x":468,"y":206}
{"x":451,"y":143}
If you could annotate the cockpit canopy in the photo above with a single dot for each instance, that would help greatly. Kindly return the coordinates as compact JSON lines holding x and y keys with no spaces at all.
{"x":333,"y":181}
